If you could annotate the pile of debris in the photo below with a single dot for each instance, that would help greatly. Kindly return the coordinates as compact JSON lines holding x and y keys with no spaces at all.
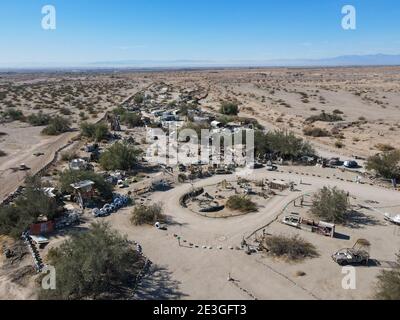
{"x":119,"y":201}
{"x":71,"y":218}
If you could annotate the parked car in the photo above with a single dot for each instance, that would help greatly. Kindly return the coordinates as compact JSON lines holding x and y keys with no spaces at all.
{"x":346,"y":257}
{"x":351,"y":164}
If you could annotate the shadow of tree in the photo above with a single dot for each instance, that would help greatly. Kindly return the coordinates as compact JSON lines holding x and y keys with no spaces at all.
{"x":358,"y":220}
{"x":158,"y":285}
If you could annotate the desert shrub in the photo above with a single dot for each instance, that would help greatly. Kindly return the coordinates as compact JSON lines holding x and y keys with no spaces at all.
{"x":339,"y":144}
{"x":97,"y":132}
{"x":120,"y":156}
{"x":386,"y":164}
{"x":57,"y":125}
{"x":241,"y":203}
{"x":147,"y":214}
{"x":2,"y":153}
{"x":14,"y":114}
{"x":65,"y":111}
{"x":98,"y":264}
{"x":331,"y":205}
{"x":388,"y":285}
{"x":229,"y":108}
{"x":68,"y":155}
{"x":139,"y":98}
{"x":316,"y":132}
{"x":69,"y":177}
{"x":384,"y":147}
{"x":39,"y":119}
{"x":337,"y":111}
{"x":292,"y":248}
{"x":325,"y":117}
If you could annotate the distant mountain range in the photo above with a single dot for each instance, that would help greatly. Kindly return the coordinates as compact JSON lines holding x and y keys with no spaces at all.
{"x":350,"y":60}
{"x":345,"y":61}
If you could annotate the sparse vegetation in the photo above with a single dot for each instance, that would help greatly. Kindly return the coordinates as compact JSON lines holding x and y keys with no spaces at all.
{"x":2,"y":153}
{"x":39,"y":119}
{"x":316,"y":132}
{"x":325,"y":117}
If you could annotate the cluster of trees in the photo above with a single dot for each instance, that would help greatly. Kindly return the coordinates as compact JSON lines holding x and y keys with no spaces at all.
{"x":331,"y":205}
{"x":69,"y":177}
{"x":281,"y":144}
{"x":147,"y":214}
{"x":57,"y":126}
{"x":241,"y":203}
{"x":120,"y":156}
{"x":386,"y":164}
{"x":98,"y":264}
{"x":96,"y":132}
{"x":32,"y":203}
{"x":229,"y":108}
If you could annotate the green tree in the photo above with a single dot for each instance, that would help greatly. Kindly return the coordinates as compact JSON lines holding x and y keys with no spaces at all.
{"x":32,"y":203}
{"x":120,"y":156}
{"x":331,"y":205}
{"x":388,"y":286}
{"x":98,"y":264}
{"x":282,"y":144}
{"x":386,"y":164}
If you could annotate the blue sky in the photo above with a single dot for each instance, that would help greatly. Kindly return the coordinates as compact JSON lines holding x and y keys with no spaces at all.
{"x":222,"y":30}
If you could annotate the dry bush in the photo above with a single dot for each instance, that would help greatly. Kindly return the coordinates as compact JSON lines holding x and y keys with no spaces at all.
{"x":241,"y":203}
{"x":292,"y":248}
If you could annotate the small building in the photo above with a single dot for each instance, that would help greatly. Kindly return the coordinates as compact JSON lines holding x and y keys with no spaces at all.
{"x":84,"y":191}
{"x":40,"y":228}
